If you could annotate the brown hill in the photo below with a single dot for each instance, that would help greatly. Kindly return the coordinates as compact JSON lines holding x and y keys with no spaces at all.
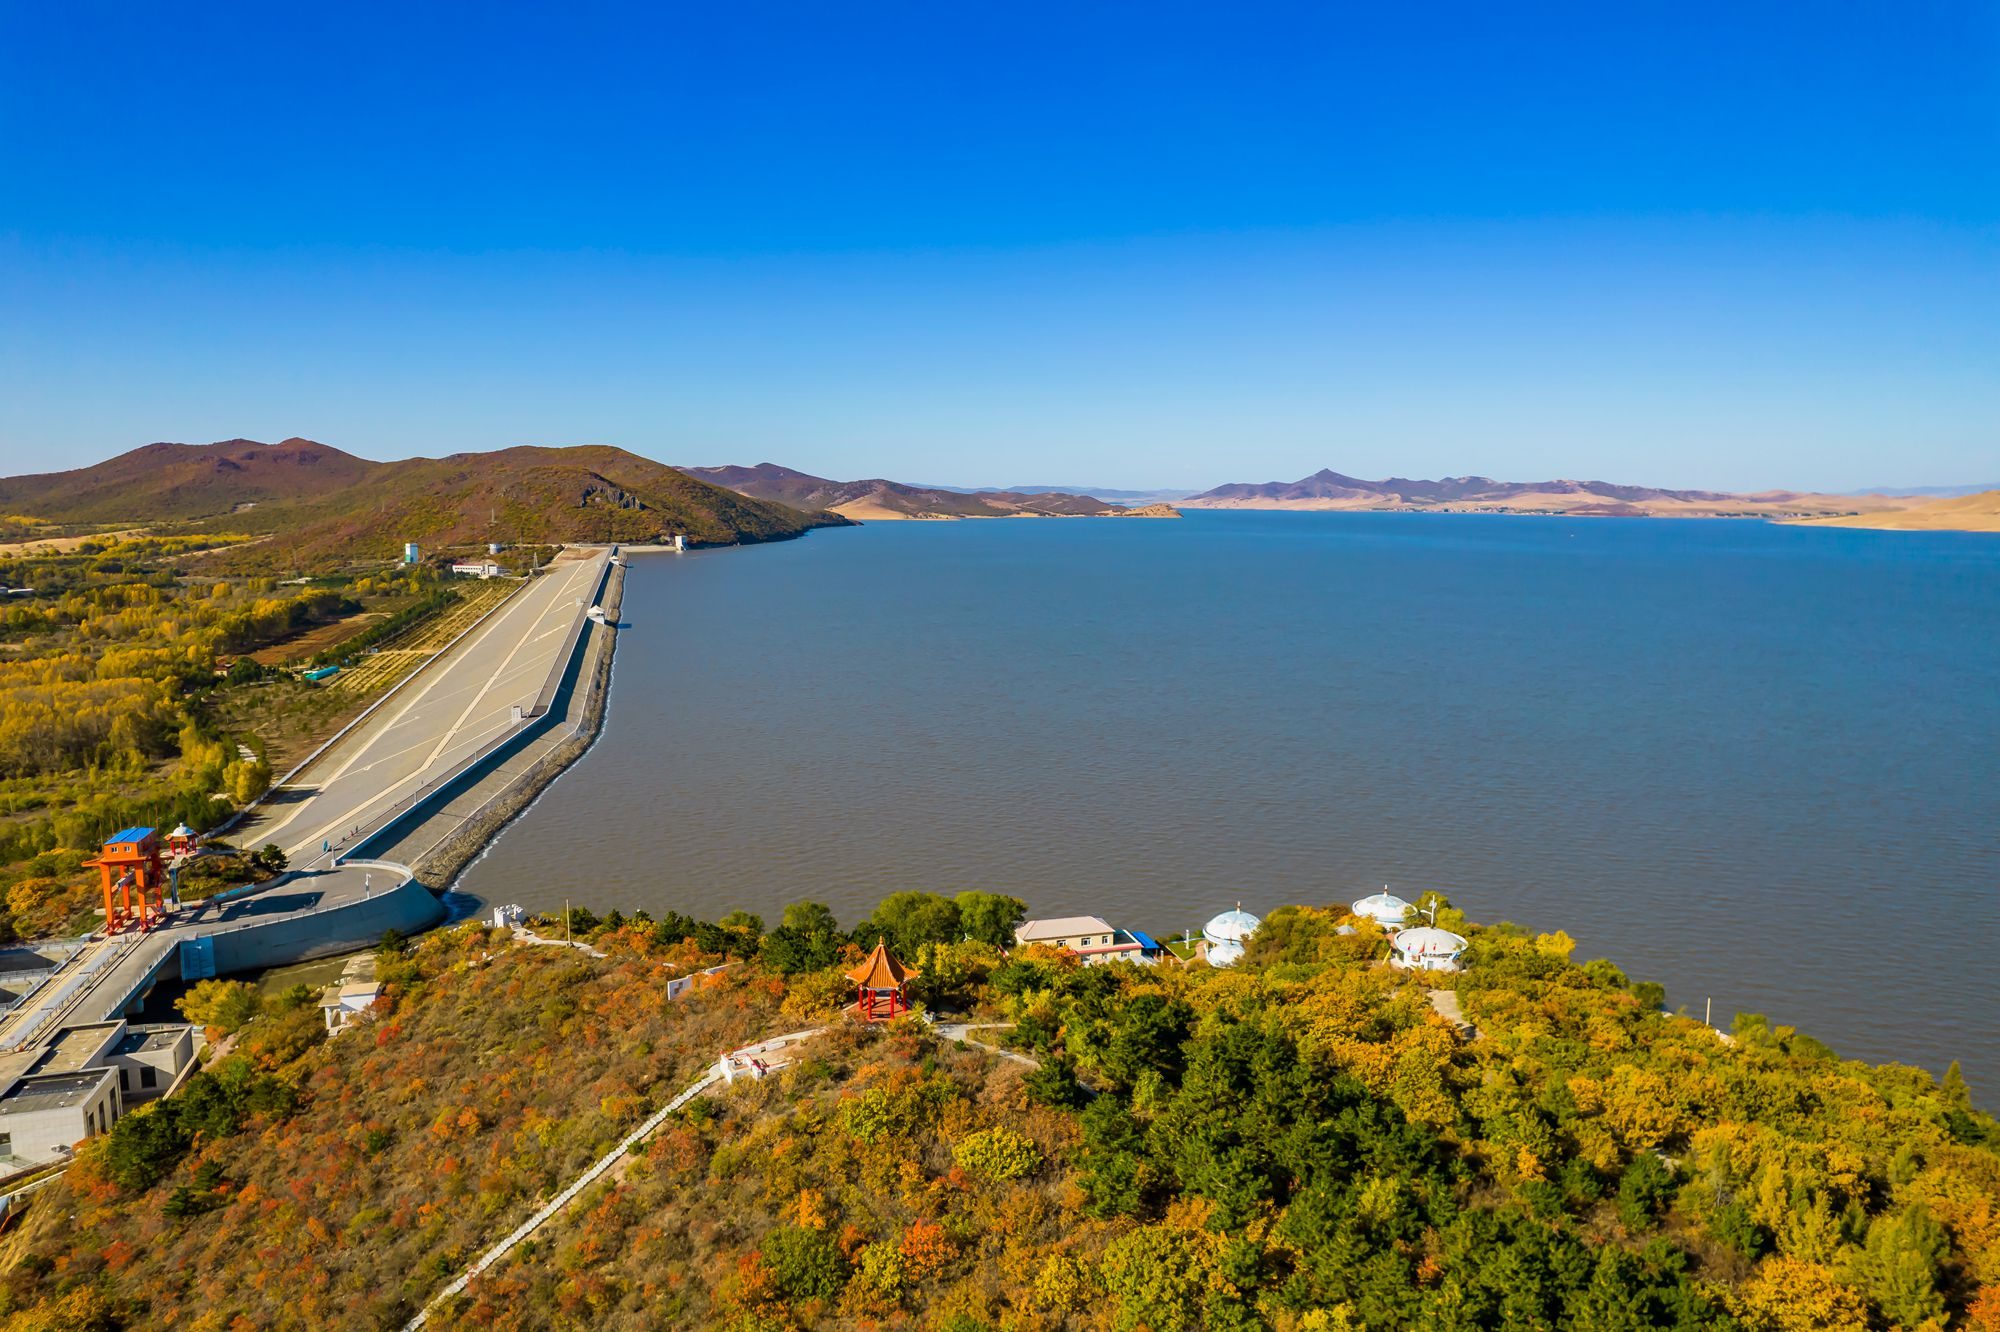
{"x":1327,"y":489}
{"x":161,"y":482}
{"x":1963,"y":513}
{"x":327,"y":504}
{"x":879,"y":499}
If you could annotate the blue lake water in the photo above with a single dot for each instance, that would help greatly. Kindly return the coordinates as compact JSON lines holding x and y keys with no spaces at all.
{"x":1757,"y":763}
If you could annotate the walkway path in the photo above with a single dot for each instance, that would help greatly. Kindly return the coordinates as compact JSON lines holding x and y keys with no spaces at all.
{"x":563,"y":1199}
{"x":958,"y":1031}
{"x":555,"y":1205}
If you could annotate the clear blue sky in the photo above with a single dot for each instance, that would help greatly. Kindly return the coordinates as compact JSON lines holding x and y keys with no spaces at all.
{"x":1156,"y":244}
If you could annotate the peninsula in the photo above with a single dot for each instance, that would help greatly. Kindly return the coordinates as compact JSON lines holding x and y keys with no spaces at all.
{"x":1960,"y":513}
{"x":878,"y":500}
{"x":931,"y":1120}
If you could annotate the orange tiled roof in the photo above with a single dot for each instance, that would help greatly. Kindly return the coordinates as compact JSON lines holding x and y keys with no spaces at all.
{"x":880,"y":971}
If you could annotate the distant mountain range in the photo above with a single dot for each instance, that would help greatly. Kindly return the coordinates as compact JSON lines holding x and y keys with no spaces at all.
{"x":877,"y":499}
{"x":328,"y":504}
{"x":1932,"y":492}
{"x":1328,"y":489}
{"x":1112,"y":493}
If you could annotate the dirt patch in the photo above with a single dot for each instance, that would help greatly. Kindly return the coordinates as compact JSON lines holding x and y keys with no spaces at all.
{"x":60,"y":545}
{"x":319,"y":638}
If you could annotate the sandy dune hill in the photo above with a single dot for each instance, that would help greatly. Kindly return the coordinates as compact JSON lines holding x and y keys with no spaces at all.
{"x":1963,"y":513}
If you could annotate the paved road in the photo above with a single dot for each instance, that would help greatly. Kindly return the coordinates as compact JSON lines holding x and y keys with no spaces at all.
{"x":424,"y":733}
{"x":438,"y":721}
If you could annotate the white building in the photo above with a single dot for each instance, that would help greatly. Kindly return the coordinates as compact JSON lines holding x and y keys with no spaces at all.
{"x":44,"y":1118}
{"x":349,"y":1002}
{"x":1223,"y":938}
{"x":78,"y":1084}
{"x":1384,"y":908}
{"x":1427,"y":948}
{"x":477,"y":569}
{"x":1091,"y":938}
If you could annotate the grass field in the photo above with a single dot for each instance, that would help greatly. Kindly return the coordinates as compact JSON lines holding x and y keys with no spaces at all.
{"x":404,"y":653}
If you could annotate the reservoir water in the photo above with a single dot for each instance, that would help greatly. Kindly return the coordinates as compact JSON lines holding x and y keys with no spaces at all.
{"x":1756,"y":763}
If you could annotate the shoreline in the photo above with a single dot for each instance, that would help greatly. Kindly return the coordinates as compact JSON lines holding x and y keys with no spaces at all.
{"x":440,"y":867}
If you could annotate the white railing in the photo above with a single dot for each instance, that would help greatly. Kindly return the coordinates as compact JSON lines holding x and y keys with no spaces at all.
{"x":74,"y":985}
{"x":567,"y":1196}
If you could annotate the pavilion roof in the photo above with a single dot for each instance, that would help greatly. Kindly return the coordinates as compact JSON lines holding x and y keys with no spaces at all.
{"x":880,"y":971}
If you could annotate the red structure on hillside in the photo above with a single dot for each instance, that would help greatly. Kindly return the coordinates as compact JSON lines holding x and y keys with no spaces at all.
{"x":135,"y":879}
{"x":183,"y":841}
{"x":878,"y":986}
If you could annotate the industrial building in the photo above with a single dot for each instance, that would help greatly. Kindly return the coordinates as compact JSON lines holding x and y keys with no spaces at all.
{"x":77,"y":1085}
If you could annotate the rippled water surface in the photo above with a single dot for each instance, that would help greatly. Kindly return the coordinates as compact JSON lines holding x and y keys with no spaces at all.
{"x":1754,"y":762}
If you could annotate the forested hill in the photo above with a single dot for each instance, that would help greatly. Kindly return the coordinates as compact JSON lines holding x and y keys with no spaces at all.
{"x":327,"y":503}
{"x":1300,"y":1143}
{"x":879,"y":499}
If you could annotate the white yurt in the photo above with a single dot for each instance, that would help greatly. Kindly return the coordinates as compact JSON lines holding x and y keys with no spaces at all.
{"x":1427,"y":948}
{"x":1225,"y":936}
{"x":1384,"y":908}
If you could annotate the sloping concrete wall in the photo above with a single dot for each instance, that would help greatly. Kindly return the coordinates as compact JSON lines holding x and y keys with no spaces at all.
{"x":408,"y":908}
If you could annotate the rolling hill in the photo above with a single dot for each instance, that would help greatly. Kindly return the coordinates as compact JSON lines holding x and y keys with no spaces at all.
{"x":1963,"y":513}
{"x":877,"y":499}
{"x":326,"y":504}
{"x":1328,"y":489}
{"x":162,"y":482}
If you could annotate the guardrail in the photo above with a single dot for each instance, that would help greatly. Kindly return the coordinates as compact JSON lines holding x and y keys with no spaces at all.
{"x":583,"y":720}
{"x":71,"y":988}
{"x":364,"y":714}
{"x":512,"y":735}
{"x":567,"y":1196}
{"x":545,"y":697}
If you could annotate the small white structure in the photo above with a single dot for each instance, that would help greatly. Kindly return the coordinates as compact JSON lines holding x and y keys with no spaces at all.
{"x":1223,"y":938}
{"x":508,"y":916}
{"x":1427,"y":948}
{"x":477,"y":569}
{"x":411,"y":553}
{"x":349,"y":1002}
{"x":596,"y":614}
{"x":680,"y":542}
{"x":1384,"y":908}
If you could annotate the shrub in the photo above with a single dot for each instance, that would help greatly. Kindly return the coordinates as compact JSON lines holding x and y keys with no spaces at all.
{"x":225,"y":1005}
{"x":998,"y":1153}
{"x":1644,"y":1191}
{"x":804,"y":1264}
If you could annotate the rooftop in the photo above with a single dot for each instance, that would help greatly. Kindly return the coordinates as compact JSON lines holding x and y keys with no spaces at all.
{"x":59,"y":1091}
{"x":129,"y":835}
{"x":74,"y":1048}
{"x":150,"y":1038}
{"x":1062,"y":927}
{"x":880,"y":971}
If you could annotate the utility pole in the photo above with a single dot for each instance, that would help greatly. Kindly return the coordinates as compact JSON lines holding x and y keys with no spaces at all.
{"x":565,"y":920}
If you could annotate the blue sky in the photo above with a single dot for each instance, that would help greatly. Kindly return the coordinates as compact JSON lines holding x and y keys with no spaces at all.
{"x":1736,"y":246}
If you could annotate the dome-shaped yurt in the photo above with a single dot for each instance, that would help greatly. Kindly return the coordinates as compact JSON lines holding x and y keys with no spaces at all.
{"x":1427,"y":948}
{"x":1384,"y":908}
{"x":1226,"y":934}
